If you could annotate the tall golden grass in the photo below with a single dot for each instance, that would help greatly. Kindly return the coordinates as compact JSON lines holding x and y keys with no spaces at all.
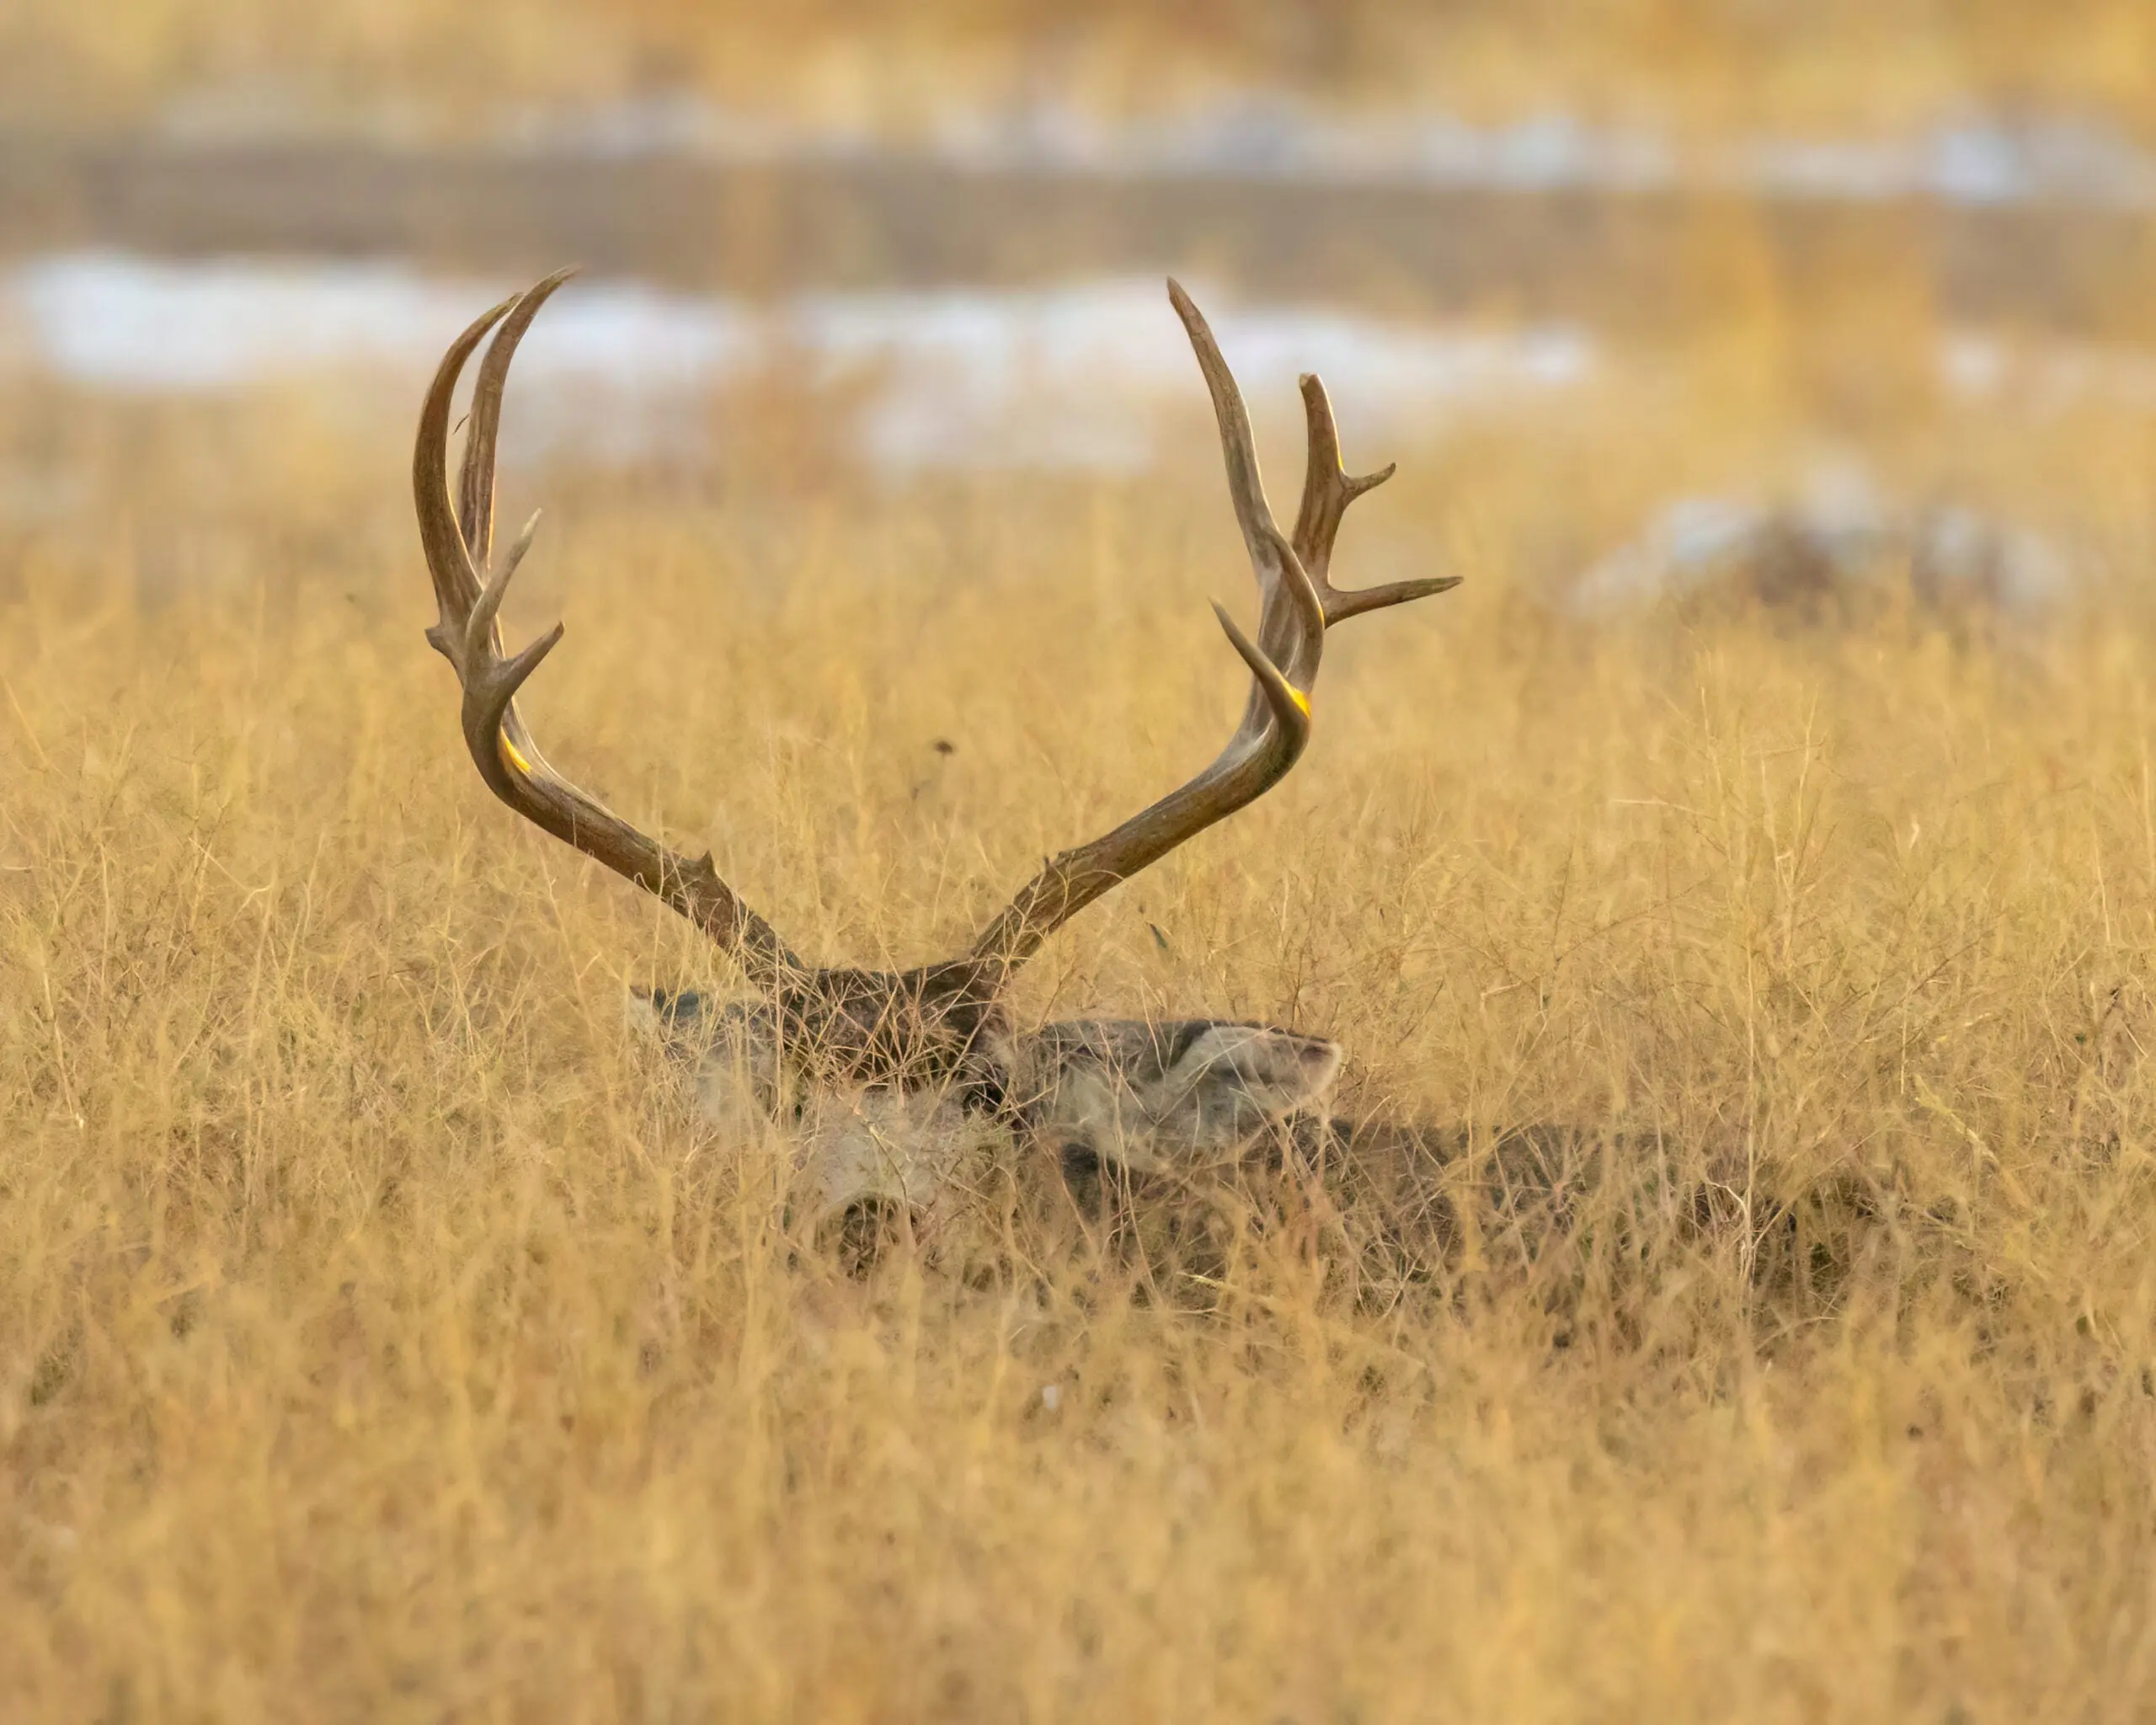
{"x":1860,"y":64}
{"x":380,"y":1336}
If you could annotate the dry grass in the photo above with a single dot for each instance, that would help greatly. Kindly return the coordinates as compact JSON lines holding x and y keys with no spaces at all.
{"x":1860,"y":64}
{"x":379,"y":1338}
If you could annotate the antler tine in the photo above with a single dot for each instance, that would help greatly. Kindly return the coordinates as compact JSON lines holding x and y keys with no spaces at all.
{"x":456,"y":581}
{"x":456,"y":544}
{"x":483,"y":426}
{"x":1291,"y":619}
{"x":1328,"y":487}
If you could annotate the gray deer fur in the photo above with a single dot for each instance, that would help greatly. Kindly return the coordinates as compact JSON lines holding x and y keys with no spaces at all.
{"x":1174,"y":1097}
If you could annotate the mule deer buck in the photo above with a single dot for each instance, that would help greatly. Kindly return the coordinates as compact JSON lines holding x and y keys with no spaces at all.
{"x":892,"y":1078}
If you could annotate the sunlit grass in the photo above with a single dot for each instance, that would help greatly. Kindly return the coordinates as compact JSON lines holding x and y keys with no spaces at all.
{"x":380,"y":1338}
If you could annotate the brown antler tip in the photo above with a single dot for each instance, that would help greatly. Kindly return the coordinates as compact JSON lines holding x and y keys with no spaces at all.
{"x":1187,"y":309}
{"x":1291,"y":706}
{"x":1317,"y":409}
{"x":1355,"y":601}
{"x":513,"y":672}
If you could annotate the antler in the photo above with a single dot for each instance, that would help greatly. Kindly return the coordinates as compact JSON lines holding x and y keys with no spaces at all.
{"x":1298,"y":603}
{"x":926,"y":1022}
{"x":458,"y":545}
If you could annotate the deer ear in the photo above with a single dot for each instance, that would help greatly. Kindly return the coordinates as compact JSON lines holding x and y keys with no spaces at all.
{"x":1247,"y":1069}
{"x":672,"y":1019}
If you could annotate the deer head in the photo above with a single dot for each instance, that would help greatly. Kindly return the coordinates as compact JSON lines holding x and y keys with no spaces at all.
{"x":937,"y":1030}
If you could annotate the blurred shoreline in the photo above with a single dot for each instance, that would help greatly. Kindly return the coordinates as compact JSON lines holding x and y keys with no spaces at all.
{"x":1549,"y":219}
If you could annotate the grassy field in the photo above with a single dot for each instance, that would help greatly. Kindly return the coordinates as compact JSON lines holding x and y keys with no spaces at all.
{"x":380,"y":1338}
{"x":1833,"y":64}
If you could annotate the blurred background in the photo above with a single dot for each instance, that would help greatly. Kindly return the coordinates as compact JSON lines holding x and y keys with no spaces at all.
{"x":1793,"y":293}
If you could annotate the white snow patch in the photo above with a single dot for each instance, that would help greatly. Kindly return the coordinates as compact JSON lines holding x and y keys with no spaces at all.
{"x":1065,"y":376}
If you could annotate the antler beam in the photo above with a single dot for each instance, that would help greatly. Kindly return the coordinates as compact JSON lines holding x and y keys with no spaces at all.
{"x":467,"y":635}
{"x":1297,"y":604}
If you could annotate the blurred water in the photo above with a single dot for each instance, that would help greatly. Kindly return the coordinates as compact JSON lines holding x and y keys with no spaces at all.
{"x":1548,"y":220}
{"x":1065,"y":376}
